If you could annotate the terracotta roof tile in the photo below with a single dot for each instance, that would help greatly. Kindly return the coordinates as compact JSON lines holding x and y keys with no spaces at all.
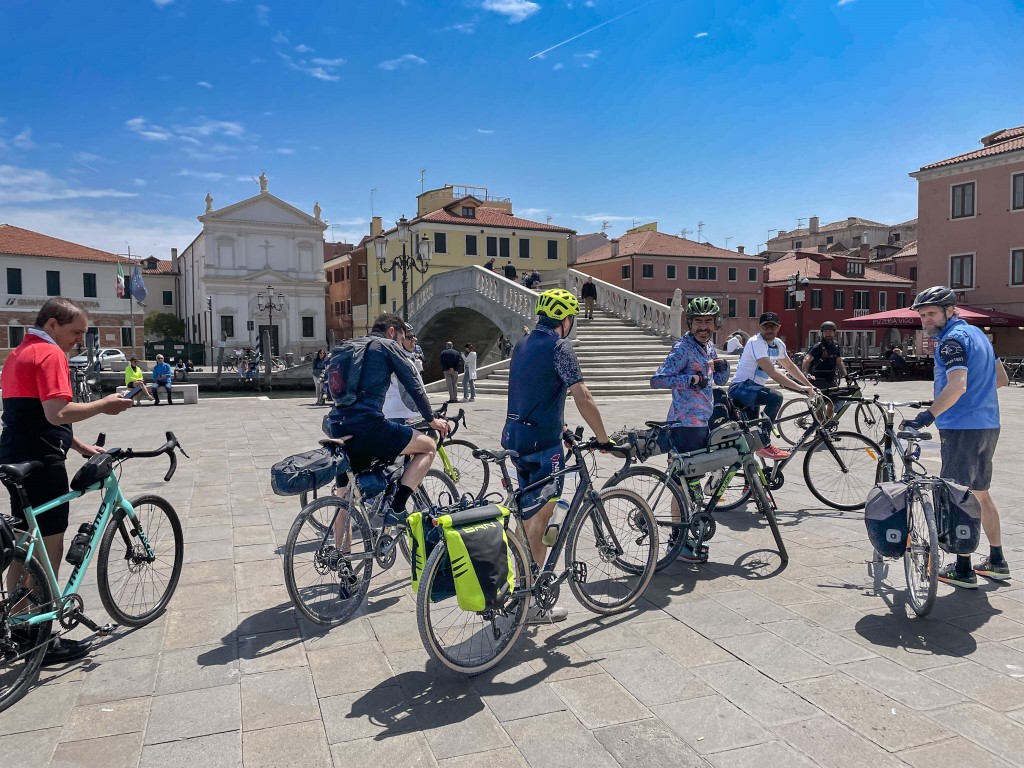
{"x":832,"y":227}
{"x":488,"y":217}
{"x":650,"y":243}
{"x":25,"y":242}
{"x":798,"y":261}
{"x":1000,"y":148}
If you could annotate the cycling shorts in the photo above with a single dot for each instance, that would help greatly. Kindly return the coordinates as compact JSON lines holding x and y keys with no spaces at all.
{"x":372,"y":438}
{"x":967,"y":456}
{"x":44,"y":484}
{"x":534,"y":467}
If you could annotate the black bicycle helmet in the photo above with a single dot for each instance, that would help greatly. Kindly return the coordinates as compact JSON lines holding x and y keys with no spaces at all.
{"x":941,"y":295}
{"x":828,"y":325}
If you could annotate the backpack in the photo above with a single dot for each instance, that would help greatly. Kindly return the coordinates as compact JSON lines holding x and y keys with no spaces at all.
{"x":885,"y":517}
{"x":345,"y":370}
{"x":957,"y":517}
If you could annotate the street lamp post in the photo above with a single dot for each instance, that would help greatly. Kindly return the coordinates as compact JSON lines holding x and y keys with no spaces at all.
{"x":419,"y":260}
{"x":270,"y":302}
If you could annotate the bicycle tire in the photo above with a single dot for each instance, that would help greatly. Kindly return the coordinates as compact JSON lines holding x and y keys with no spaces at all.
{"x":766,"y":506}
{"x":464,"y":641}
{"x":736,"y":494}
{"x":17,"y":675}
{"x":631,"y":521}
{"x":654,"y":486}
{"x":436,"y":489}
{"x":842,"y":486}
{"x":792,"y":430}
{"x":472,"y":475}
{"x":141,"y":581}
{"x":869,"y":419}
{"x":324,"y":600}
{"x":919,"y":561}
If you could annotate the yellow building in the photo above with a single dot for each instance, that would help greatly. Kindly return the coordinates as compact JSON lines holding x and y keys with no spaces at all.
{"x":463,"y":226}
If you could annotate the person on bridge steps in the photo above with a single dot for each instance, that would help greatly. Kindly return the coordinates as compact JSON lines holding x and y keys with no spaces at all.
{"x":451,"y":361}
{"x":589,"y":295}
{"x":469,"y":374}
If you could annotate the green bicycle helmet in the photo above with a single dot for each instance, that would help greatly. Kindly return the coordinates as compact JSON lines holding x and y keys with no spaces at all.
{"x":558,"y":304}
{"x":702,"y":306}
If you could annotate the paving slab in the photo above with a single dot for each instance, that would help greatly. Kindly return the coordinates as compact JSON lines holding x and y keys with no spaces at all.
{"x":712,"y":724}
{"x":300,"y":745}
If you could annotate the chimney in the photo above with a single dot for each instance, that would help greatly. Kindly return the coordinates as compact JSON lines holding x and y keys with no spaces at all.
{"x":813,"y":224}
{"x":615,"y":247}
{"x":174,"y":253}
{"x":376,"y":226}
{"x":740,"y":248}
{"x":851,"y":220}
{"x":865,"y":251}
{"x":825,"y":268}
{"x":821,"y":248}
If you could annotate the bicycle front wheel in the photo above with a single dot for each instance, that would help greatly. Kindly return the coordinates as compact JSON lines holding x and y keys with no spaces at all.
{"x":731,"y":496}
{"x":22,"y":647}
{"x":612,"y":551}
{"x":869,"y":419}
{"x":134,"y":586}
{"x":793,"y":420}
{"x":328,"y":560}
{"x":667,"y":503}
{"x":766,"y":506}
{"x":921,"y":558}
{"x":470,"y":475}
{"x":469,"y":642}
{"x":840,"y":468}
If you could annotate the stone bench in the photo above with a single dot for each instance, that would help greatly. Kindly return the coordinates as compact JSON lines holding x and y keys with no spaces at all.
{"x":182,"y":393}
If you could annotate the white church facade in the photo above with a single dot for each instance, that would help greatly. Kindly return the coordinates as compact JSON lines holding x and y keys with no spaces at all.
{"x":257,"y":265}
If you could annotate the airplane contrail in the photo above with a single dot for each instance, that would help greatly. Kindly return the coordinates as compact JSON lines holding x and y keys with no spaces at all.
{"x":587,"y":32}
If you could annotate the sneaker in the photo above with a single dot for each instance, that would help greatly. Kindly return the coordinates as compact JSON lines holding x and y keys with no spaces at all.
{"x":687,"y":555}
{"x":348,"y":586}
{"x":62,"y":650}
{"x":392,"y":518}
{"x":949,"y":575}
{"x":538,"y":616}
{"x":994,"y":572}
{"x":772,"y":453}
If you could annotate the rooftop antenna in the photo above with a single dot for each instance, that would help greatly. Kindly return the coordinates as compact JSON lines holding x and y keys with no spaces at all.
{"x":605,"y":225}
{"x":372,"y":192}
{"x":684,"y":232}
{"x":700,"y":230}
{"x":800,"y":223}
{"x":423,"y":177}
{"x":727,"y":242}
{"x":549,"y":219}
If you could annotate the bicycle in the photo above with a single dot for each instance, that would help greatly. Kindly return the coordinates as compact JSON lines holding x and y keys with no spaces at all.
{"x":839,"y":467}
{"x":140,"y":548}
{"x":868,"y":418}
{"x":82,"y":385}
{"x":685,"y":503}
{"x":610,"y":540}
{"x":335,"y":539}
{"x":921,"y":558}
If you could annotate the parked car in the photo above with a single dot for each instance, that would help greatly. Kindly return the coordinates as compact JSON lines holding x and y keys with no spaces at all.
{"x":106,"y":356}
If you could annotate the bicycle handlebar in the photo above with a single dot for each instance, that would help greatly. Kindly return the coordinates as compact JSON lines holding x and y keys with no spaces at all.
{"x":123,"y":454}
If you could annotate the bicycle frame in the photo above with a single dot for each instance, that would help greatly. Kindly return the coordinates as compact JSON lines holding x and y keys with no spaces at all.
{"x":113,"y":499}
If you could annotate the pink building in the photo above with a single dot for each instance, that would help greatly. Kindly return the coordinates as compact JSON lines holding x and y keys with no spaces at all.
{"x":971,"y":228}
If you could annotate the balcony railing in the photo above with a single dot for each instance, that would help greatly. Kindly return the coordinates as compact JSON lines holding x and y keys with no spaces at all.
{"x":859,"y":312}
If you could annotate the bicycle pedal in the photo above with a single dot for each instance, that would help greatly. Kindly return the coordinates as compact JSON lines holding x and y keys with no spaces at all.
{"x":106,"y":629}
{"x":579,"y":572}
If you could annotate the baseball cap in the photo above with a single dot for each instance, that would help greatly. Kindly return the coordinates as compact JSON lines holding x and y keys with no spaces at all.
{"x":769,"y":317}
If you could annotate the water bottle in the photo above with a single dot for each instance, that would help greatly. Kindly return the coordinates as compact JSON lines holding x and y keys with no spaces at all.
{"x":79,"y":544}
{"x":551,"y":533}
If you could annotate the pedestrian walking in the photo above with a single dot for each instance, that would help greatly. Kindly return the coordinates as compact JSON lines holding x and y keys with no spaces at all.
{"x":450,"y":362}
{"x":510,"y":271}
{"x":489,"y":264}
{"x":589,"y":295}
{"x":319,"y":366}
{"x":469,"y":374}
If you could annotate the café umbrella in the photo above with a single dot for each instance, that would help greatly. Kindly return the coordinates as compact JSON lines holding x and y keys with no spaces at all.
{"x":909,"y":318}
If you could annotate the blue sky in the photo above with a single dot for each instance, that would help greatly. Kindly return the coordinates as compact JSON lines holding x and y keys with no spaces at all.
{"x":117,"y":117}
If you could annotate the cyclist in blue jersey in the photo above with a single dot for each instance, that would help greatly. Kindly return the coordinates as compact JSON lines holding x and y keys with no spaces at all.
{"x":688,"y":371}
{"x":966,"y":411}
{"x":542,"y":370}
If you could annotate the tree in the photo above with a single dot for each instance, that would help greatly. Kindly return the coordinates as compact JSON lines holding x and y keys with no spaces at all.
{"x":164,"y":325}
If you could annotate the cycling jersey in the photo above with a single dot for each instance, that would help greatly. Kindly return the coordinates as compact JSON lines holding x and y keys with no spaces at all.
{"x":36,"y":371}
{"x":690,"y":407}
{"x":755,"y":349}
{"x":962,"y":346}
{"x":824,"y":361}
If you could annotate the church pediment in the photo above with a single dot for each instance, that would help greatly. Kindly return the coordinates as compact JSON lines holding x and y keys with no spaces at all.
{"x":265,"y":276}
{"x":262,"y":208}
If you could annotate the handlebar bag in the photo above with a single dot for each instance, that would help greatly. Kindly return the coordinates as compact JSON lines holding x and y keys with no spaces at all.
{"x":885,"y":517}
{"x":958,"y":518}
{"x":305,"y":472}
{"x":95,"y":470}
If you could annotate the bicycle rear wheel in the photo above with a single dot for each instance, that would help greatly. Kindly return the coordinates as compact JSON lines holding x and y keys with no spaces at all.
{"x":921,"y":558}
{"x":733,"y":496}
{"x":468,"y":642}
{"x":133,"y":587}
{"x":472,"y":475}
{"x":612,"y":551}
{"x":22,"y":647}
{"x":840,"y":468}
{"x":326,"y":580}
{"x":869,"y":419}
{"x":437,"y":489}
{"x":667,"y":503}
{"x":793,"y":420}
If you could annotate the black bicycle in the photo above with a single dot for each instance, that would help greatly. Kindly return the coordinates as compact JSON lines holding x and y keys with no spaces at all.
{"x":868,"y":418}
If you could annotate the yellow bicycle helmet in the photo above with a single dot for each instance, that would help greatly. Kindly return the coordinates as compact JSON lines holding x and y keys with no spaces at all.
{"x":558,"y":304}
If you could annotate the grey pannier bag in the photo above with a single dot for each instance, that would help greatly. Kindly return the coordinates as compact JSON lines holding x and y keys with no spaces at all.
{"x":958,"y":518}
{"x":885,"y":517}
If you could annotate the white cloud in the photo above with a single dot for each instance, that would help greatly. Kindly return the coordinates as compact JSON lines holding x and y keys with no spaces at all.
{"x":213,"y":176}
{"x":531,"y":211}
{"x":328,"y":62}
{"x":841,"y":3}
{"x":87,"y":160}
{"x":204,"y":84}
{"x":206,"y":127}
{"x":558,"y":66}
{"x":28,"y":185}
{"x":586,"y":59}
{"x":318,"y":72}
{"x":515,"y":10}
{"x":407,"y":60}
{"x":147,"y":130}
{"x":484,"y":131}
{"x":162,"y":3}
{"x":139,"y":182}
{"x":597,"y":218}
{"x":280,"y":39}
{"x":263,"y":15}
{"x":699,"y":35}
{"x":466,"y":28}
{"x":286,"y":151}
{"x":24,"y":139}
{"x":303,"y":48}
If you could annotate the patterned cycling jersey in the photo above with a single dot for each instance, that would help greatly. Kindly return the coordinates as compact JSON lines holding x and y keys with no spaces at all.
{"x":691,"y":406}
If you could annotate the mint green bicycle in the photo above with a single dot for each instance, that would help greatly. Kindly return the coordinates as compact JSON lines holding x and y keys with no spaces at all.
{"x":140,"y":548}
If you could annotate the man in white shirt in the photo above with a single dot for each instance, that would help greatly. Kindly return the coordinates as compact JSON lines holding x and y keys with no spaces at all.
{"x":398,"y":403}
{"x":755,"y":367}
{"x":734,"y":344}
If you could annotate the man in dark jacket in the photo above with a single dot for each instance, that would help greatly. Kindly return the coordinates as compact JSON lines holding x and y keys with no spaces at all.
{"x":589,"y":295}
{"x":510,"y":271}
{"x":451,"y":360}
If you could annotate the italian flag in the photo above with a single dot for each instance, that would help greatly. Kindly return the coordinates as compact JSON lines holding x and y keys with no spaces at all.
{"x":120,"y":281}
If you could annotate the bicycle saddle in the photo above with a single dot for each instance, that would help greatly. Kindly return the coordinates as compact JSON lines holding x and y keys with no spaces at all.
{"x":483,"y":453}
{"x":327,"y":442}
{"x":20,"y":471}
{"x":659,"y":424}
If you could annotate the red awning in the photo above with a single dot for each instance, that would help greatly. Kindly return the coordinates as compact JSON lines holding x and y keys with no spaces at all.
{"x":908,"y":318}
